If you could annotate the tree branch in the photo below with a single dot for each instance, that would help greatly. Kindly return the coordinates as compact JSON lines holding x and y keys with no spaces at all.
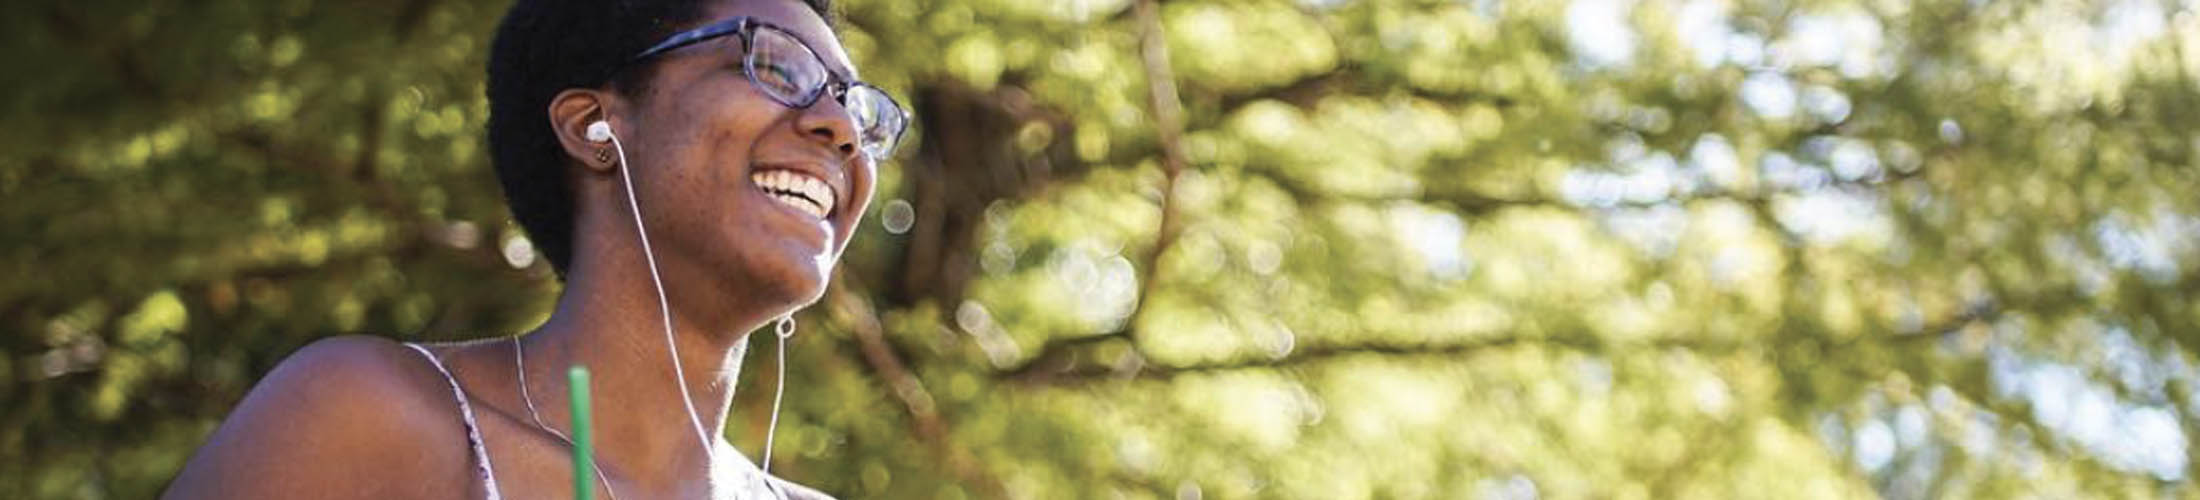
{"x":1467,"y":202}
{"x":1308,"y":90}
{"x":1060,"y":354}
{"x":1063,"y":357}
{"x":1057,"y":361}
{"x":862,"y":321}
{"x":1044,"y":374}
{"x":1168,"y":114}
{"x":128,"y":69}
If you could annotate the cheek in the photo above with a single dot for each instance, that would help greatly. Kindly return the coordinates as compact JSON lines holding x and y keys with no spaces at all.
{"x":866,"y":186}
{"x":864,"y":183}
{"x":721,"y":143}
{"x":716,"y":124}
{"x":706,"y":161}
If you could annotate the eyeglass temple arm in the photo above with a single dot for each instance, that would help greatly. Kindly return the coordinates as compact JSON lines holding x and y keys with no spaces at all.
{"x":695,"y":36}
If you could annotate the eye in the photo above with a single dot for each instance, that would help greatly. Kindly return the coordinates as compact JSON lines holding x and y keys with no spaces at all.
{"x":776,"y":75}
{"x":784,"y":66}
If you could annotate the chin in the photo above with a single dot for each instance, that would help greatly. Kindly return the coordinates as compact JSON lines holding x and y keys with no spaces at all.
{"x":805,"y":291}
{"x":796,"y":283}
{"x":812,"y":287}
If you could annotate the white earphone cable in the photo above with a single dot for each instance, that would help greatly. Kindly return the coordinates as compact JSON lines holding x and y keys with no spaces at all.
{"x":679,"y":376}
{"x":785,"y":329}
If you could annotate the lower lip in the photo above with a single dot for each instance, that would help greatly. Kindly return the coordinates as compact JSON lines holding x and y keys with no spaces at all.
{"x":822,"y":224}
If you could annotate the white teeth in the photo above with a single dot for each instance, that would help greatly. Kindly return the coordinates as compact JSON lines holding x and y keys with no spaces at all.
{"x":800,"y":204}
{"x":815,"y":197}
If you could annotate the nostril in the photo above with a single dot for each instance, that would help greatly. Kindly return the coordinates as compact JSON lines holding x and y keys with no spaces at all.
{"x":833,"y":136}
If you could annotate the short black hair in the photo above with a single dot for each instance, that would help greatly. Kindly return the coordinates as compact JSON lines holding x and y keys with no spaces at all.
{"x":544,"y":47}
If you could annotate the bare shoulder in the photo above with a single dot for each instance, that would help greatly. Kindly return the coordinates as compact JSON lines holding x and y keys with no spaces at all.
{"x":339,"y":418}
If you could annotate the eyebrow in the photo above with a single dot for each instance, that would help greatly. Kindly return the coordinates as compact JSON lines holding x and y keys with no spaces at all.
{"x":844,"y":71}
{"x":693,"y":35}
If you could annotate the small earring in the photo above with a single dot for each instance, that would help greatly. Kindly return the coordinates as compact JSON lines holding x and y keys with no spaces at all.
{"x":603,"y":156}
{"x":786,"y":327}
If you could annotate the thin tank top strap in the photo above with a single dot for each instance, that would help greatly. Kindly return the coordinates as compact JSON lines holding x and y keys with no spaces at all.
{"x":473,"y":431}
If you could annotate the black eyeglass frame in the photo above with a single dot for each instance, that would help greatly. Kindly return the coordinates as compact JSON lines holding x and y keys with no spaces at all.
{"x":835,"y":83}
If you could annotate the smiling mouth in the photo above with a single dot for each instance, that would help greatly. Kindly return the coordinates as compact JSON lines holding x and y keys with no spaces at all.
{"x":803,"y":192}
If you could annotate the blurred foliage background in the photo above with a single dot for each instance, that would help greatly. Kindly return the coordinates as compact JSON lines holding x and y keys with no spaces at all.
{"x":1216,"y":248}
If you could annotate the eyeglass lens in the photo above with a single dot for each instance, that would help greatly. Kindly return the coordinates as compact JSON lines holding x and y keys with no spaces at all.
{"x":792,"y":74}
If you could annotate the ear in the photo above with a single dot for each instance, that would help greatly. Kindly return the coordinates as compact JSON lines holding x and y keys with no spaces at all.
{"x":571,"y":111}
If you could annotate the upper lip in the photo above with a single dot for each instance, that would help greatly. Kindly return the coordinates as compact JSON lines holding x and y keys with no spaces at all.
{"x":833,"y":177}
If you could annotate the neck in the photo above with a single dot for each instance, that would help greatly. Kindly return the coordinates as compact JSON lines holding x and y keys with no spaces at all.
{"x":609,"y":320}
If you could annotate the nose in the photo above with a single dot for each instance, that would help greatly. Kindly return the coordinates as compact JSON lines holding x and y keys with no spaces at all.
{"x":828,"y":123}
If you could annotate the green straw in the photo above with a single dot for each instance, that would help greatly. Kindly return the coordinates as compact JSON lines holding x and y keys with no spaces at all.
{"x":576,"y":379}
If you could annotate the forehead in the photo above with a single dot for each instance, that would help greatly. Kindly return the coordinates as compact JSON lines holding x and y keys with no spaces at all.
{"x":793,"y":15}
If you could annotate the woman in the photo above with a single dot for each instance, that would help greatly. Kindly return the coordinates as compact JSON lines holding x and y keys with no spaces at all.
{"x":693,"y":170}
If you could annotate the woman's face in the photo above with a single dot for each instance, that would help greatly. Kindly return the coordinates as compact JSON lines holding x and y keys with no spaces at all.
{"x":713,"y":156}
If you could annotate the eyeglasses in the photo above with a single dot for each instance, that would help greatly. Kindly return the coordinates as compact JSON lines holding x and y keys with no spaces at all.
{"x":778,"y":63}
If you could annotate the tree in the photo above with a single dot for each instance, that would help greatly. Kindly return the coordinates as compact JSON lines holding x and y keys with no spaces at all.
{"x":1322,"y":249}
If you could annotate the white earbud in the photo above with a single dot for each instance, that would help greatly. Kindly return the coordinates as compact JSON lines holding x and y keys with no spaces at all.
{"x":599,"y":131}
